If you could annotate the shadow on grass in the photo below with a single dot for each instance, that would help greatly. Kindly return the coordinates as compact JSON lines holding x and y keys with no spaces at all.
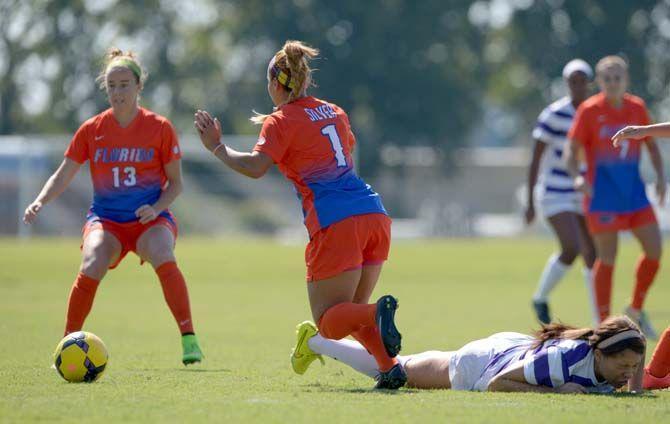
{"x":644,"y":395}
{"x":224,"y":370}
{"x":218,"y":370}
{"x":318,"y":387}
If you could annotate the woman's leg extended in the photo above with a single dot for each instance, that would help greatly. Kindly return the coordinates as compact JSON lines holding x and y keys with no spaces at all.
{"x":156,"y":246}
{"x":649,"y":237}
{"x":334,"y":309}
{"x":99,"y":250}
{"x":565,"y":227}
{"x":603,"y":268}
{"x":427,"y":370}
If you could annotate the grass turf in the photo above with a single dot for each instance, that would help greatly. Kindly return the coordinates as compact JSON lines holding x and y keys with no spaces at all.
{"x":247,"y":296}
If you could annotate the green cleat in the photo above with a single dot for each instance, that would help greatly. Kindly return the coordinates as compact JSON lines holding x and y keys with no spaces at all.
{"x":302,"y":356}
{"x":192,"y":352}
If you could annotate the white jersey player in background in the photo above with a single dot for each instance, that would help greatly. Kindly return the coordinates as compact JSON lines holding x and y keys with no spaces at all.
{"x":560,"y":203}
{"x":557,"y":359}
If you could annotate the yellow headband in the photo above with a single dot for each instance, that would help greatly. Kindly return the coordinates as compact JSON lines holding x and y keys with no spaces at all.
{"x":126,"y":63}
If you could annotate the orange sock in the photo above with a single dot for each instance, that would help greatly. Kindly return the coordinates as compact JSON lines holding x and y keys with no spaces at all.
{"x":659,"y":366}
{"x":370,"y":339}
{"x":602,"y":280}
{"x":645,"y":272}
{"x":176,"y":295}
{"x":343,"y":319}
{"x":80,"y":302}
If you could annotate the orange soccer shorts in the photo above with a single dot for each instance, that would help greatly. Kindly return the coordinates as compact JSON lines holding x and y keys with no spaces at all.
{"x":127,"y":232}
{"x":603,"y":222}
{"x":349,"y":244}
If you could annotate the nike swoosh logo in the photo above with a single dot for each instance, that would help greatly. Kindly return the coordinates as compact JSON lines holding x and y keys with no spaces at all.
{"x":99,"y":137}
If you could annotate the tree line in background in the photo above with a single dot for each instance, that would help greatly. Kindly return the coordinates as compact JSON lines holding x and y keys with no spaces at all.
{"x":408,"y":73}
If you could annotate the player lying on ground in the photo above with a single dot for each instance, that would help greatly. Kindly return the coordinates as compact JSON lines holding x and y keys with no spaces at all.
{"x":557,"y":359}
{"x":135,"y":165}
{"x":311,"y":142}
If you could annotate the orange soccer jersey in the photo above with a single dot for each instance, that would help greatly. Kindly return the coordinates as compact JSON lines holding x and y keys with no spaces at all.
{"x":127,"y":164}
{"x":311,"y":142}
{"x":612,"y":171}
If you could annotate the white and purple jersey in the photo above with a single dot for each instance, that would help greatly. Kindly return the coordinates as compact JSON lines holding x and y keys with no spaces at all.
{"x":552,"y":129}
{"x":560,"y":361}
{"x":554,"y":363}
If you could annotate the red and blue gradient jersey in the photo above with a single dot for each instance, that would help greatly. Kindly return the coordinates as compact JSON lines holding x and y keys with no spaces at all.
{"x":613,"y":172}
{"x":311,"y":142}
{"x":127,"y":164}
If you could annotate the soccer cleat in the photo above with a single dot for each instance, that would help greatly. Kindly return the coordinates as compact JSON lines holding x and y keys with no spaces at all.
{"x":542,"y":311}
{"x":649,"y":382}
{"x":192,"y":352}
{"x":301,"y":355}
{"x":392,"y":379}
{"x":640,"y":318}
{"x":385,"y":316}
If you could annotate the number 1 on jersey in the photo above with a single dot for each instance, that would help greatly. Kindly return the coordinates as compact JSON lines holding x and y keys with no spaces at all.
{"x":331,"y":132}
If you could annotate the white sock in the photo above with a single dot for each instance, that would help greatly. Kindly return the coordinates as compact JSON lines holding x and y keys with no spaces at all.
{"x":554,"y":270}
{"x":590,"y":291}
{"x":347,"y":351}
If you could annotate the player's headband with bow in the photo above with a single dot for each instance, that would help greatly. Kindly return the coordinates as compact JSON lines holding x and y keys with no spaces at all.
{"x":284,"y":78}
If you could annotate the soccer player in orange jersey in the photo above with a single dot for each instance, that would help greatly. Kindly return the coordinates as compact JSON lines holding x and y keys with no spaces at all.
{"x":311,"y":141}
{"x":615,"y":197}
{"x":135,"y":165}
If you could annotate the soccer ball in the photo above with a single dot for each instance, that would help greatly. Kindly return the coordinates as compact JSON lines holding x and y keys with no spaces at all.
{"x":80,"y":356}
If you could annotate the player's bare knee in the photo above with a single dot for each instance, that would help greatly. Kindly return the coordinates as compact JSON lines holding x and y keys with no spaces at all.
{"x":159,"y":256}
{"x":93,"y":266}
{"x":568,"y":254}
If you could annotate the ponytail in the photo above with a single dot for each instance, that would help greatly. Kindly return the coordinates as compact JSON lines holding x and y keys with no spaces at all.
{"x":612,"y":336}
{"x":290,"y":67}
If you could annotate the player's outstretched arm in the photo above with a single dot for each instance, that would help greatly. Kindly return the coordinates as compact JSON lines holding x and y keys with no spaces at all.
{"x":54,"y":187}
{"x":636,"y":132}
{"x":253,"y":164}
{"x":514,"y":380}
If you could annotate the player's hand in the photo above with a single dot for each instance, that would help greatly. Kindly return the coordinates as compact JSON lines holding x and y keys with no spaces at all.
{"x":661,"y":187}
{"x":632,"y":132}
{"x":146,"y":213}
{"x":208,"y":128}
{"x":529,"y":214}
{"x":580,"y":184}
{"x":31,"y":212}
{"x":571,"y":388}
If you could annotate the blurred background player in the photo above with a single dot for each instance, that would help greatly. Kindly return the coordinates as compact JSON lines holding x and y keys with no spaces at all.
{"x":615,"y":193}
{"x":560,"y":203}
{"x":311,"y":142}
{"x":557,"y":359}
{"x":135,"y":165}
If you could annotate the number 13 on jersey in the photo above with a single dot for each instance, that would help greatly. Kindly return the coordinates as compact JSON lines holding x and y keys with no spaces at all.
{"x":130,"y":179}
{"x":330,"y":131}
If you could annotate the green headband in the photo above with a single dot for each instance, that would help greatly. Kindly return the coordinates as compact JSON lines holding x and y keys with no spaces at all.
{"x":126,"y":63}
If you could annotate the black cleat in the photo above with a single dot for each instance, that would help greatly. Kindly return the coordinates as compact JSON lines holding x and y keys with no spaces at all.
{"x":385,"y":315}
{"x":542,"y":311}
{"x":392,"y":379}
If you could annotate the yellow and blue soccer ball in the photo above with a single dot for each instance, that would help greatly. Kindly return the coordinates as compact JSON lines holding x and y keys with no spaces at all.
{"x":81,"y":356}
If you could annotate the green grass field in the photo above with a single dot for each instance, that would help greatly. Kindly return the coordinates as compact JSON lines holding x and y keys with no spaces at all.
{"x":247,"y":296}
